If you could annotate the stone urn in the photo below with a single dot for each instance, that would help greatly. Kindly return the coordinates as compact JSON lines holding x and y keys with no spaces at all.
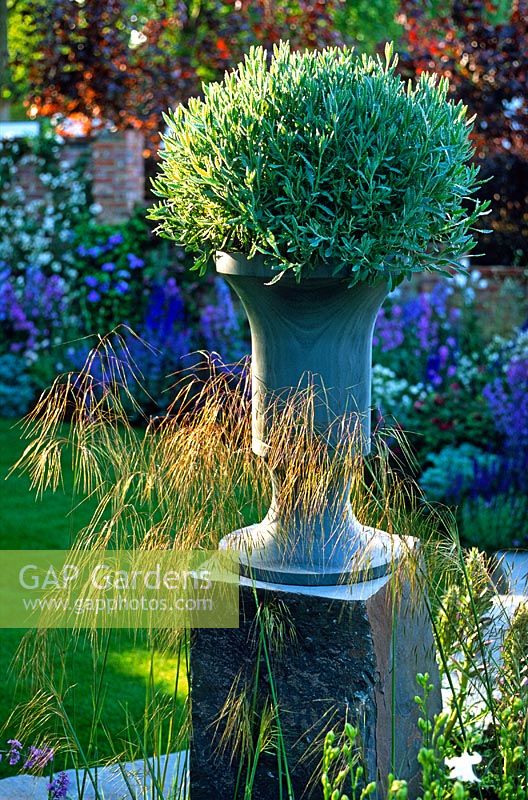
{"x":315,"y":332}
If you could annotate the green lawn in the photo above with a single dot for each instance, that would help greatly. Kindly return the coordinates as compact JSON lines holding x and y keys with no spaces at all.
{"x":51,"y":523}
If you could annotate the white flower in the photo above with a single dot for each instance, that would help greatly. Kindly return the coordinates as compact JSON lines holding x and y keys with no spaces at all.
{"x":511,"y":107}
{"x":460,"y":280}
{"x":137,"y":38}
{"x":462,"y":767}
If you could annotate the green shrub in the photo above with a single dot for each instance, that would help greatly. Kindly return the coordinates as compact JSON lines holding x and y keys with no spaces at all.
{"x":17,"y":390}
{"x":452,"y":471}
{"x":321,"y":157}
{"x":495,"y":524}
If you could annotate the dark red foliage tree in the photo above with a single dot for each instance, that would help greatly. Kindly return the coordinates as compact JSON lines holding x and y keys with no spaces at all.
{"x":484,"y":53}
{"x":86,"y":65}
{"x":485,"y":60}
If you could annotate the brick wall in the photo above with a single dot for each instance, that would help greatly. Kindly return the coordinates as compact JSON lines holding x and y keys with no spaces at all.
{"x":27,"y":177}
{"x":494,"y":277}
{"x":118,"y":173}
{"x":501,"y":295}
{"x":116,"y":164}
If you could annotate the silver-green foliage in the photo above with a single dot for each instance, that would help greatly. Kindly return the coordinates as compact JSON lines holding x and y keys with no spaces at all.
{"x":321,"y":156}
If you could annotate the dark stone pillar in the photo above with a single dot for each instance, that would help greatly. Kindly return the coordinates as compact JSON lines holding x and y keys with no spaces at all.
{"x":335,"y":663}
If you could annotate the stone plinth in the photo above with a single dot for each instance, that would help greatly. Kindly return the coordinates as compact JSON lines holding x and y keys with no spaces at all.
{"x":335,"y":664}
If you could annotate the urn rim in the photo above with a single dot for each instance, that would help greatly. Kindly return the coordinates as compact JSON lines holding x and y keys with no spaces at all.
{"x":237,"y":264}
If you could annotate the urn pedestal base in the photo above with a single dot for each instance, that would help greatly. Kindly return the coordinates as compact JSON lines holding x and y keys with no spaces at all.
{"x":371,"y":554}
{"x":335,"y":663}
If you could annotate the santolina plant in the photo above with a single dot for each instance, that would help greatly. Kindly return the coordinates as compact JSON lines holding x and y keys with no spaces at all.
{"x":311,"y":157}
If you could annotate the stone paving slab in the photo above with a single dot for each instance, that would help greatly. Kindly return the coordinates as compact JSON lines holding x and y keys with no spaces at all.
{"x":111,"y":784}
{"x":512,"y":590}
{"x":515,"y":567}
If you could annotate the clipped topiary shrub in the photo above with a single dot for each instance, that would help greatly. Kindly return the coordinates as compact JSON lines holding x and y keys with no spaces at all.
{"x":321,"y":157}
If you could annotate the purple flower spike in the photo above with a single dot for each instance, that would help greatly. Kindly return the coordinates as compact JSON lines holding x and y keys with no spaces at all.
{"x":443,"y":352}
{"x":58,"y":787}
{"x":38,"y":757}
{"x":14,"y":754}
{"x":507,"y":399}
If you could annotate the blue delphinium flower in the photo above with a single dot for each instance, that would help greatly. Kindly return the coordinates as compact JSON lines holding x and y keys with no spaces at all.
{"x":389,"y":330}
{"x":121,"y":287}
{"x":412,"y":310}
{"x":115,"y":239}
{"x":165,"y":330}
{"x":220,"y":326}
{"x":31,"y":309}
{"x":438,"y":298}
{"x":432,"y":370}
{"x":91,"y":281}
{"x":508,"y":402}
{"x":93,"y":296}
{"x":427,"y":327}
{"x":134,"y":262}
{"x":108,"y":266}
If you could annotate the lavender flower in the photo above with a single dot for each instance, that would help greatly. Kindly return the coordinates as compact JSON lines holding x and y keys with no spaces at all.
{"x":14,"y":755}
{"x":58,"y":787}
{"x":38,"y":757}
